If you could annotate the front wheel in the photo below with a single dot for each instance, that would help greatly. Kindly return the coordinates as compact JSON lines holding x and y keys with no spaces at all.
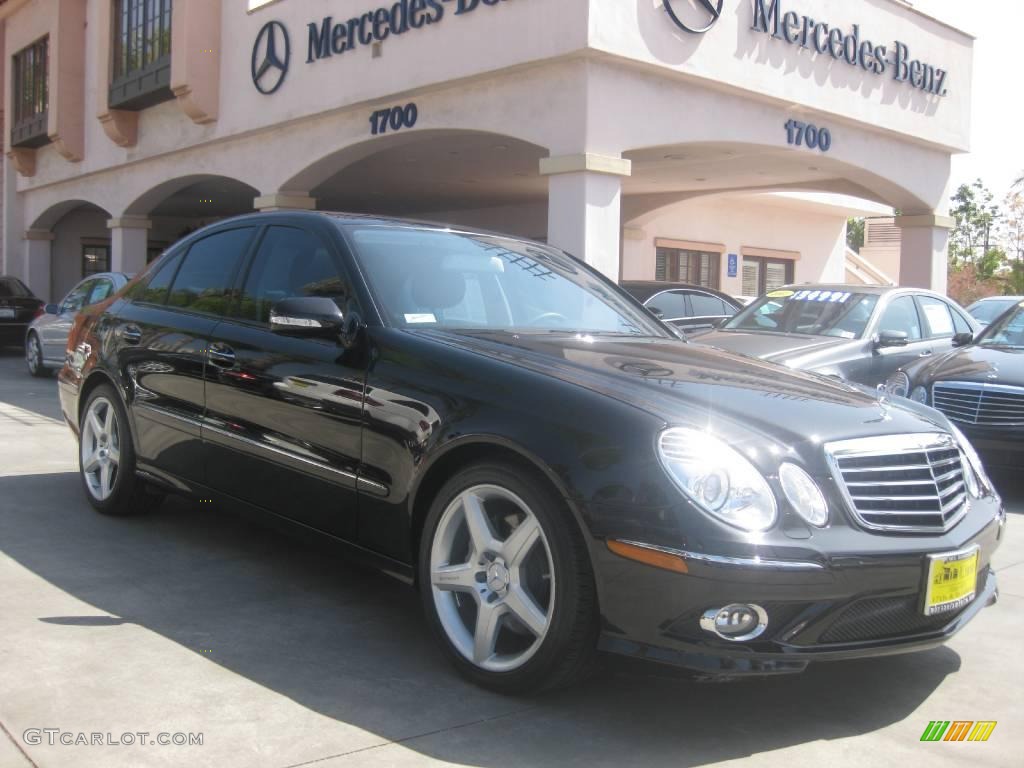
{"x":34,"y":357}
{"x":107,"y":457}
{"x":506,"y":581}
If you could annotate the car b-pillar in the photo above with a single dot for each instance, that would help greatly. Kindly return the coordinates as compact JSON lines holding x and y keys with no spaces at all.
{"x":584,"y":207}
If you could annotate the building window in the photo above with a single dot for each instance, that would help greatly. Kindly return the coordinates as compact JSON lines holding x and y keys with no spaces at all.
{"x":142,"y":54}
{"x":761,"y":275}
{"x":31,"y":95}
{"x":154,"y":251}
{"x":95,"y":258}
{"x":695,"y":267}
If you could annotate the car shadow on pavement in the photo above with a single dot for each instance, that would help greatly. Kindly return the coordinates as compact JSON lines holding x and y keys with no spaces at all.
{"x":350,"y":644}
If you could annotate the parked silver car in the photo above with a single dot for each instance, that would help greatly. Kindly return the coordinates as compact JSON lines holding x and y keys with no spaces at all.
{"x":47,"y":336}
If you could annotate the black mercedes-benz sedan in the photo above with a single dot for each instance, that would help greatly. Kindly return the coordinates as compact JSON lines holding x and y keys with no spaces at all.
{"x":979,"y":387}
{"x":858,"y":333}
{"x":690,"y":308}
{"x":18,"y":307}
{"x":553,"y":468}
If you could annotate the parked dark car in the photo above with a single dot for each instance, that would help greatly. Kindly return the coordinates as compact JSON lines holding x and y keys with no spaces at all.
{"x":18,"y":307}
{"x":861,"y":334}
{"x":987,"y":310}
{"x":980,"y":388}
{"x":690,"y":308}
{"x":555,"y":469}
{"x":47,"y":336}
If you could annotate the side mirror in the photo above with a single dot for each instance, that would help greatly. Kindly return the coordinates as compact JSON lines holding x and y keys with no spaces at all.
{"x":52,"y":309}
{"x":307,"y":317}
{"x":891,"y":339}
{"x":963,"y":339}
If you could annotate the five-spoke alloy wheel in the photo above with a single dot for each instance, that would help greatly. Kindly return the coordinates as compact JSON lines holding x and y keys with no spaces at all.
{"x":34,"y":356}
{"x":506,"y":581}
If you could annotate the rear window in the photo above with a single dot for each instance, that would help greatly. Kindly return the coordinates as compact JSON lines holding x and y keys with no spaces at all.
{"x":12,"y":288}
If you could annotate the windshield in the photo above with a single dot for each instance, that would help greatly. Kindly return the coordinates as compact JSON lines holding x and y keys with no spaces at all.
{"x":426,"y":278}
{"x":841,"y":314}
{"x":11,"y":288}
{"x":987,"y":311}
{"x":1007,"y":331}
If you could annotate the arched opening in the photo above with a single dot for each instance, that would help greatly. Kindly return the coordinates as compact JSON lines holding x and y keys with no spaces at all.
{"x":464,"y":177}
{"x":80,"y":246}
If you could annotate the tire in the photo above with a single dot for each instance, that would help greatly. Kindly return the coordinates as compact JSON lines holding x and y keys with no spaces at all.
{"x":106,"y":458}
{"x":34,"y":357}
{"x":534,"y":580}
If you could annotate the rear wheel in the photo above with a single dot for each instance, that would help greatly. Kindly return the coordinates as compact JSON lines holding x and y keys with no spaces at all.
{"x":506,"y":581}
{"x":107,"y":457}
{"x":34,"y":356}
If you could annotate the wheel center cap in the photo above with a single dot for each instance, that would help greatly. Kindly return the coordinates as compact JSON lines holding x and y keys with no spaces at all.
{"x":497,"y":577}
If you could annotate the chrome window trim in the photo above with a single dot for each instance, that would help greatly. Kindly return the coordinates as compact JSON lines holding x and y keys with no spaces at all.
{"x":894,"y":445}
{"x":742,"y":562}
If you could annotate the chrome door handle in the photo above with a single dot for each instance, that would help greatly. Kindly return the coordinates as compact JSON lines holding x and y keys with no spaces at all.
{"x":131,"y":334}
{"x":927,"y":353}
{"x":221,"y":355}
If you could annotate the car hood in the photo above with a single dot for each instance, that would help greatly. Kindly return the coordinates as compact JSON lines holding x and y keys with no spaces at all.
{"x":991,"y":365}
{"x":686,"y":384}
{"x":784,"y":348}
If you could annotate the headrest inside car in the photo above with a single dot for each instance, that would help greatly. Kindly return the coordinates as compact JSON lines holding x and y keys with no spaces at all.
{"x":439,"y":289}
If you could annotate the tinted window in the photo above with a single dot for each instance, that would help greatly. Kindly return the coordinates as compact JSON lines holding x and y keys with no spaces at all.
{"x":424,"y":278}
{"x":671,"y":305}
{"x":154,"y":291}
{"x":290,"y":262}
{"x":11,"y":288}
{"x":987,"y":311}
{"x":102,"y":289}
{"x":960,"y":323}
{"x":901,"y":317}
{"x":938,"y":317}
{"x":1007,"y":331}
{"x":705,"y":305}
{"x":78,"y":297}
{"x":204,"y":278}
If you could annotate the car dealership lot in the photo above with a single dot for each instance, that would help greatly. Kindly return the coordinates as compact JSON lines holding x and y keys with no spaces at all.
{"x":188,"y":622}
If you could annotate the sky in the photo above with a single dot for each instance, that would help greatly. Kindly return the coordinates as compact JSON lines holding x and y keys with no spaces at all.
{"x":997,"y":131}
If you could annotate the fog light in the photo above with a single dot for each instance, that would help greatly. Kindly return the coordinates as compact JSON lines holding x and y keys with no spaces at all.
{"x":737,"y":622}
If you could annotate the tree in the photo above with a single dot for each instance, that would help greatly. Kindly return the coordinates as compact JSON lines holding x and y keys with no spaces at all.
{"x":1015,"y":241}
{"x":855,"y":234}
{"x":976,"y":220}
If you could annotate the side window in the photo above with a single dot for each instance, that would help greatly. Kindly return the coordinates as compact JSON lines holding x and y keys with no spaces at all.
{"x":154,"y":291}
{"x":100,"y":292}
{"x":706,"y":305}
{"x":960,"y":324}
{"x":290,"y":262}
{"x":78,"y":297}
{"x":901,"y":316}
{"x":937,"y":316}
{"x":202,"y":284}
{"x":671,"y":304}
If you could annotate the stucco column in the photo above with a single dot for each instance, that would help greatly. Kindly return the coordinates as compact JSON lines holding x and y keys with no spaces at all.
{"x":924,"y":253}
{"x":584,"y":207}
{"x":36,"y":266}
{"x":129,"y":241}
{"x":285,"y":201}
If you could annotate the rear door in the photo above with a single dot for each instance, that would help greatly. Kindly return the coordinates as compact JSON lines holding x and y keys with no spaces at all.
{"x":705,"y":311}
{"x":283,"y":424}
{"x":162,"y":333}
{"x":941,"y":322}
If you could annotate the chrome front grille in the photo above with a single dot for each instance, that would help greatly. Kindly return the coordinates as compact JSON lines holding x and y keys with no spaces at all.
{"x":910,"y":483}
{"x":983,"y":404}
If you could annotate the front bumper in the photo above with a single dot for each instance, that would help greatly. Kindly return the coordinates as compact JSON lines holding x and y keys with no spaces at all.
{"x":847,"y":607}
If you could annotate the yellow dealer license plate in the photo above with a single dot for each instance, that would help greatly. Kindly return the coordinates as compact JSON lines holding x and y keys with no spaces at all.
{"x":952,"y":581}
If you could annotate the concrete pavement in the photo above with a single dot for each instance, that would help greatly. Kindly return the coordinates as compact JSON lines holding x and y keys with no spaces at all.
{"x":186,"y":621}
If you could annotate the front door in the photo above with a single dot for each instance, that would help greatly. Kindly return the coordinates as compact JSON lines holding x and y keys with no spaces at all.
{"x":283,"y":422}
{"x":900,"y":316}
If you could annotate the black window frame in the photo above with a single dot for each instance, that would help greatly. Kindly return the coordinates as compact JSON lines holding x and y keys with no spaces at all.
{"x":673,"y":271}
{"x":693,"y":311}
{"x":30,"y":100}
{"x":762,"y":273}
{"x":141,"y":53}
{"x":926,"y":319}
{"x":86,"y":273}
{"x":231,"y":286}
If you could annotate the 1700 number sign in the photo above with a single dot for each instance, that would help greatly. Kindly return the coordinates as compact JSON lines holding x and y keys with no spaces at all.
{"x":393,"y":119}
{"x":799,"y":134}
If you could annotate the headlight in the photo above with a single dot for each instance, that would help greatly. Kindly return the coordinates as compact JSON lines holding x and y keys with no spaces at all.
{"x":898,"y":384}
{"x":717,"y":478}
{"x":919,"y":395}
{"x":977,"y":481}
{"x":803,"y":493}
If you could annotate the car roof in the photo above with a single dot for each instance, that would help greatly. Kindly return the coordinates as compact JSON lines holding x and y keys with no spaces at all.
{"x":1000,"y":298}
{"x":651,"y":287}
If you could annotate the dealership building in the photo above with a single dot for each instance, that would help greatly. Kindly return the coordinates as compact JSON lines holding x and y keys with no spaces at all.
{"x":721,"y":142}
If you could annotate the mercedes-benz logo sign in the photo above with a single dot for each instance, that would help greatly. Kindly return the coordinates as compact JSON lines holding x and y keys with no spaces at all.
{"x":695,"y":16}
{"x":271,"y":56}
